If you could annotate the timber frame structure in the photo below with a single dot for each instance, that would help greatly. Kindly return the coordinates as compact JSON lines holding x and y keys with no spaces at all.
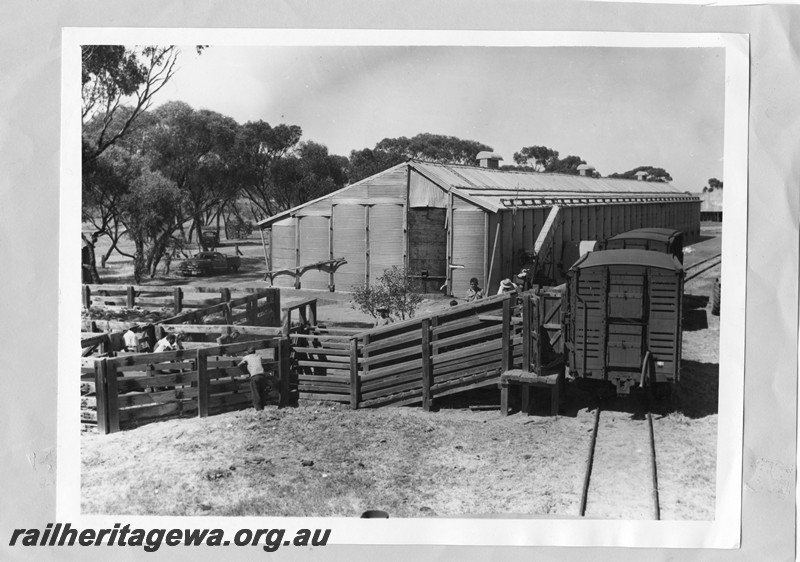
{"x":448,"y":223}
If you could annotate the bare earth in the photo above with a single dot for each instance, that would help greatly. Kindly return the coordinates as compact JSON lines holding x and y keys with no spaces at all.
{"x":322,"y":459}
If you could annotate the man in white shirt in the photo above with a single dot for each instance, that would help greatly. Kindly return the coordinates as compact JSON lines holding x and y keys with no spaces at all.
{"x":167,"y":343}
{"x":131,"y":339}
{"x":258,"y":380}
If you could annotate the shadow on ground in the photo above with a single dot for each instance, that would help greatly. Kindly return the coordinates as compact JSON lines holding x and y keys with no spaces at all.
{"x":696,"y":396}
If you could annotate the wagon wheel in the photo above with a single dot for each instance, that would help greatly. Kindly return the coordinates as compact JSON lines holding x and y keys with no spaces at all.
{"x":715,"y":297}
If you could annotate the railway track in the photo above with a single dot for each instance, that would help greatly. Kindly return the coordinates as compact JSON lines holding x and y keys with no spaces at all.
{"x":696,"y":269}
{"x":621,"y":477}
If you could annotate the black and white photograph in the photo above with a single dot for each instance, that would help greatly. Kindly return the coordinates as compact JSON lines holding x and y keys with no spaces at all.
{"x":429,"y":280}
{"x":382,"y":281}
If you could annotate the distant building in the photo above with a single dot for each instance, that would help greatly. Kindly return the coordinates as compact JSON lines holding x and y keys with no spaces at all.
{"x":447,"y":223}
{"x":710,"y":205}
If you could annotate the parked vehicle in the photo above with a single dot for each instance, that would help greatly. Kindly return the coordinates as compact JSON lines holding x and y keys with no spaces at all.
{"x":209,"y":263}
{"x":209,"y":238}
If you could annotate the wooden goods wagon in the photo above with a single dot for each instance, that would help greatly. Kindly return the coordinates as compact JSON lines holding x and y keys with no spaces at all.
{"x":624,"y":319}
{"x":664,"y":240}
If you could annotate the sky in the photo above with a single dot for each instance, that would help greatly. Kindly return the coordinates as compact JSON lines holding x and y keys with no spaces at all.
{"x":616,"y":107}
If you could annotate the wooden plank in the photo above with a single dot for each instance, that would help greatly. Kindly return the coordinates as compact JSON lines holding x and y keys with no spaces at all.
{"x":201,"y":360}
{"x":465,"y":339}
{"x":381,"y":358}
{"x":393,"y":380}
{"x":390,"y":370}
{"x":162,"y":397}
{"x":132,"y":384}
{"x":101,"y":394}
{"x":470,"y":351}
{"x":410,"y":338}
{"x":506,"y":332}
{"x":355,"y":391}
{"x":112,"y":397}
{"x":427,"y":366}
{"x":343,"y":365}
{"x":151,"y":412}
{"x":412,"y":385}
{"x":325,"y":397}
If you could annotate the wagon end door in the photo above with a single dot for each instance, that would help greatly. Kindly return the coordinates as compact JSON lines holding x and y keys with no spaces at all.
{"x":626,"y":322}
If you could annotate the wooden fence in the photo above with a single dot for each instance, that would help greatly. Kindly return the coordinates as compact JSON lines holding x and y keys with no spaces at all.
{"x":260,"y":307}
{"x":464,"y":347}
{"x":127,"y":390}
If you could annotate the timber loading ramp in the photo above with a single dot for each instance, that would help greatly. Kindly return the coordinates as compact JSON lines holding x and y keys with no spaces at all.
{"x":464,"y":347}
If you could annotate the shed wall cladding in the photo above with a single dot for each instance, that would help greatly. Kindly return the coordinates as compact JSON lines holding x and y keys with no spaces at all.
{"x":386,"y":238}
{"x":350,"y":242}
{"x":314,"y":247}
{"x":521,"y":227}
{"x":283,"y":250}
{"x":467,"y":248}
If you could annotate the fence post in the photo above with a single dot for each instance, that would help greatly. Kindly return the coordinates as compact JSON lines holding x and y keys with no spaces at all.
{"x":426,"y":364}
{"x":87,"y":296}
{"x":131,"y":297}
{"x":312,"y":312}
{"x":355,"y":385}
{"x":225,"y":294}
{"x":506,"y":334}
{"x":526,"y":332}
{"x":284,"y":350}
{"x":177,"y":296}
{"x":112,"y":397}
{"x":286,"y":324}
{"x":253,"y":315}
{"x":202,"y":383}
{"x":100,"y":395}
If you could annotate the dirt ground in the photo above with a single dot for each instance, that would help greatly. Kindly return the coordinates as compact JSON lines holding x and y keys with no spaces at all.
{"x":326,"y":460}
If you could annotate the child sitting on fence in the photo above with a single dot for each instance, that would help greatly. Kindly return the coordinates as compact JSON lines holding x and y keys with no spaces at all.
{"x":260,"y":385}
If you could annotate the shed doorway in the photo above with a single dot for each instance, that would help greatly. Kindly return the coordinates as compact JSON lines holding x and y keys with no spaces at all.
{"x":427,"y":248}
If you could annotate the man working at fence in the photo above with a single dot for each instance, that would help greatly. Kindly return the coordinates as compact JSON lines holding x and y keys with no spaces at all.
{"x":168,"y":343}
{"x":131,"y":339}
{"x":259,"y":384}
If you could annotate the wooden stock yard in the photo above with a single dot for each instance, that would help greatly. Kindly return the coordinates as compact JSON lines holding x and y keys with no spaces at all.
{"x":127,"y":390}
{"x":418,"y":360}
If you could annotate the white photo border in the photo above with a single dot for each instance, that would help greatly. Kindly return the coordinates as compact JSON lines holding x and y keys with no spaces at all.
{"x":723,"y":532}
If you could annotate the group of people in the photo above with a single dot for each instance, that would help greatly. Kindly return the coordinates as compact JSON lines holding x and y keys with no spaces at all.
{"x":506,"y":286}
{"x":134,"y":342}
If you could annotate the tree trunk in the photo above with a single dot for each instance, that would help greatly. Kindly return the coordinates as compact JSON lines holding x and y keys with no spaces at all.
{"x":88,"y":261}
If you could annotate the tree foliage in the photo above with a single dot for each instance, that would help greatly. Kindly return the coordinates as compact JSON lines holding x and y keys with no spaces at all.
{"x":150,"y":211}
{"x":653,"y":174}
{"x":541,"y":157}
{"x":427,"y":147}
{"x":545,"y":159}
{"x":194,"y":149}
{"x":112,"y":74}
{"x":394,"y":290}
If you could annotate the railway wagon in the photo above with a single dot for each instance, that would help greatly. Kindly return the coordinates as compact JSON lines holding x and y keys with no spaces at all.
{"x":664,"y":240}
{"x":624,"y":319}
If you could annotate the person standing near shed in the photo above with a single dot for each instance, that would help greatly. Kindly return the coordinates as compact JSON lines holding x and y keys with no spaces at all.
{"x":507,"y":286}
{"x":258,"y":380}
{"x":383,"y":317}
{"x":474,"y":292}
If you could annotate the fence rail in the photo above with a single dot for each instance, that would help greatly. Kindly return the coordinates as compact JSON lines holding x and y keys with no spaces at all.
{"x":124,"y":391}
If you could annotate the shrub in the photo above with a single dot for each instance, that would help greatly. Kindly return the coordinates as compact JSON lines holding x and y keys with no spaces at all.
{"x":393,"y":290}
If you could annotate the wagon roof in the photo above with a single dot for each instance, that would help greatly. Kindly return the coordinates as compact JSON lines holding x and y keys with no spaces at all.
{"x":659,"y":234}
{"x":645,"y":258}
